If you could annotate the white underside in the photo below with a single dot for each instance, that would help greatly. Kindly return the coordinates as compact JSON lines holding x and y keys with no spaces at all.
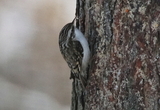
{"x":86,"y":51}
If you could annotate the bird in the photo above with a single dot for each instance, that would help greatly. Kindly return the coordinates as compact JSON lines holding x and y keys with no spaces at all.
{"x":75,"y":50}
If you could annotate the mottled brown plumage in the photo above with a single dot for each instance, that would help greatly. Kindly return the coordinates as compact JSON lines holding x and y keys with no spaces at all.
{"x":71,"y":50}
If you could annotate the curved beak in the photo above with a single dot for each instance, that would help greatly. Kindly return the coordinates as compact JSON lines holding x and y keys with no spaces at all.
{"x":74,"y":21}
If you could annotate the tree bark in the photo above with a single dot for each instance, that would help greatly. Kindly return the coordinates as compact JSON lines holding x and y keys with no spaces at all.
{"x":124,"y":71}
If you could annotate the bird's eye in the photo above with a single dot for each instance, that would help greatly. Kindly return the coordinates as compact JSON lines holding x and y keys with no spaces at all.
{"x":72,"y":36}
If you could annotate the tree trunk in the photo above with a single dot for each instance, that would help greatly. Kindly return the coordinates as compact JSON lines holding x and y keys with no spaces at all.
{"x":124,"y":71}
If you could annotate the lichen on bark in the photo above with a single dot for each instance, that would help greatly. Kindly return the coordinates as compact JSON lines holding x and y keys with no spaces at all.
{"x":124,"y":38}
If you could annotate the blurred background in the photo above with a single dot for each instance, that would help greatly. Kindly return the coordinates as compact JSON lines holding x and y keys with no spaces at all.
{"x":33,"y":74}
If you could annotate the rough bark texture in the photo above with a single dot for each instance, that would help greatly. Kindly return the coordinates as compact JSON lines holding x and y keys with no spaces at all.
{"x":124,"y":38}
